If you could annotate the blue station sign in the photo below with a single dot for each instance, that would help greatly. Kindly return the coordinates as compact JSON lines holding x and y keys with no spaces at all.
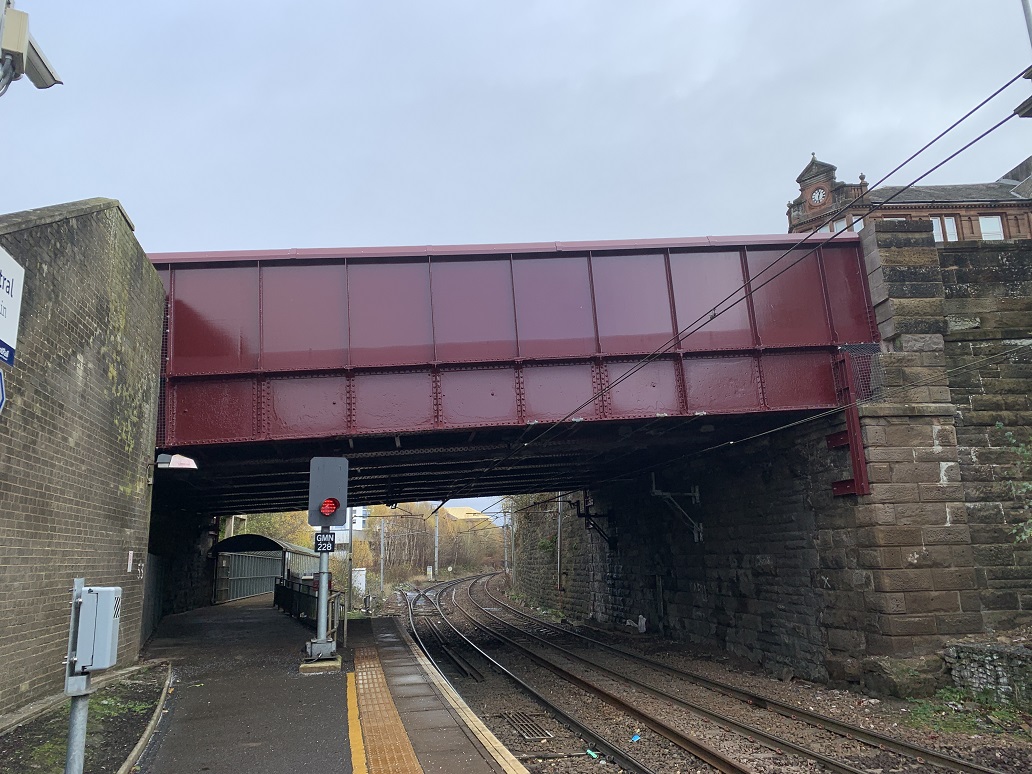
{"x":12,"y":277}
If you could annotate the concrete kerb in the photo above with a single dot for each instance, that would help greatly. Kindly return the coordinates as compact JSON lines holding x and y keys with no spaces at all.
{"x":321,"y":666}
{"x":145,"y":737}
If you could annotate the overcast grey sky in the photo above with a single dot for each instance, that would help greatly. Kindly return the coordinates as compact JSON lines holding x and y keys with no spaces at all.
{"x":238,"y":125}
{"x":232,"y":125}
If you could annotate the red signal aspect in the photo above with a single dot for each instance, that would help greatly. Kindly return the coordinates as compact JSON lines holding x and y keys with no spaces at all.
{"x":329,"y":506}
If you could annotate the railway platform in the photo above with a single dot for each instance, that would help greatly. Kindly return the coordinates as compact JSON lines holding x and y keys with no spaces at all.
{"x":239,"y":702}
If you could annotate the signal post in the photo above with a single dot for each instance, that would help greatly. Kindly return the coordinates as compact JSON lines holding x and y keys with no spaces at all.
{"x":327,"y":507}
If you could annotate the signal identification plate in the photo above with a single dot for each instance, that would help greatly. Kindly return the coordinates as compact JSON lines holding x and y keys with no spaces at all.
{"x":325,"y":542}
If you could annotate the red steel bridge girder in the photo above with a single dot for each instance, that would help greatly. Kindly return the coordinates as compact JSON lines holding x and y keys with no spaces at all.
{"x":292,"y":345}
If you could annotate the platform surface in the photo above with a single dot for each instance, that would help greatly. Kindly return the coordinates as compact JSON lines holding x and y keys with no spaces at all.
{"x":239,"y":702}
{"x":444,"y":735}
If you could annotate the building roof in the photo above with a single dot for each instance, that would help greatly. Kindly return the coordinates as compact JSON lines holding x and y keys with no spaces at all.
{"x":251,"y":542}
{"x":1015,"y":185}
{"x":816,"y":169}
{"x":462,"y":512}
{"x":931,"y":194}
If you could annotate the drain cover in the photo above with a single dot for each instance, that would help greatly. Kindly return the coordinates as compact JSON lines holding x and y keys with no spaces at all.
{"x":526,"y":726}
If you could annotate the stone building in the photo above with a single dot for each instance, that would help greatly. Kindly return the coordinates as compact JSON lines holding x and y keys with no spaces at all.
{"x":995,"y":211}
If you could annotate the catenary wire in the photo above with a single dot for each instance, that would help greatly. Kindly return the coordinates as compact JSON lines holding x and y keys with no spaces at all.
{"x":830,"y":412}
{"x":747,"y":289}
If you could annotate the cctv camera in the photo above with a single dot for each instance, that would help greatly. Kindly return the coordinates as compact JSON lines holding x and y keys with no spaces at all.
{"x":39,"y":70}
{"x":21,"y":52}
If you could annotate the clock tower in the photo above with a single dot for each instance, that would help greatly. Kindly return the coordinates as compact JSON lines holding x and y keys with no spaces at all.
{"x":820,"y":196}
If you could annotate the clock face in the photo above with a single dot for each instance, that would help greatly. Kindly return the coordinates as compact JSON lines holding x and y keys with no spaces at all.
{"x":818,"y":196}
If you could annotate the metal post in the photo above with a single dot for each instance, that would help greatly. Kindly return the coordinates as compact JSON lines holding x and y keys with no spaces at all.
{"x":437,"y":541}
{"x":382,"y":546}
{"x":351,"y":573}
{"x":559,"y":553}
{"x":78,"y":687}
{"x":512,"y":544}
{"x":76,"y":757}
{"x":324,"y":593}
{"x":1028,"y":18}
{"x":505,"y":546}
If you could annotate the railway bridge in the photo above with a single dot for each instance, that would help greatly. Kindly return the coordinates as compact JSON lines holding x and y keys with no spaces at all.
{"x":492,"y":369}
{"x":800,"y":455}
{"x":792,"y":453}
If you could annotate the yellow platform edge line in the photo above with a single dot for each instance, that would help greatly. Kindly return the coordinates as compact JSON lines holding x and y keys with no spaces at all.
{"x":389,"y":749}
{"x":498,"y":751}
{"x":358,"y":759}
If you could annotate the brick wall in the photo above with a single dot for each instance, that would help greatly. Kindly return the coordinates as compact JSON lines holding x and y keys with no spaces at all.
{"x":1001,"y":674}
{"x":76,"y":435}
{"x":589,"y":571}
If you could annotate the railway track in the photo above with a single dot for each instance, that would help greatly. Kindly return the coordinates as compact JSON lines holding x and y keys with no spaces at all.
{"x":691,"y":711}
{"x":425,"y":604}
{"x":920,"y":754}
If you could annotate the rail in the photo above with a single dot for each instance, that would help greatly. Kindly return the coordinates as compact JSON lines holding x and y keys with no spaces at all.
{"x":919,"y":753}
{"x":618,"y":755}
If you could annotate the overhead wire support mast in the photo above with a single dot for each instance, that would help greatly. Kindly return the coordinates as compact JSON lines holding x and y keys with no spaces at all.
{"x":1028,"y":18}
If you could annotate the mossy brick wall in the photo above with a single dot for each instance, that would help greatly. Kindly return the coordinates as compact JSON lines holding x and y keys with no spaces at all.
{"x":76,"y":434}
{"x":1004,"y":672}
{"x":589,"y":572}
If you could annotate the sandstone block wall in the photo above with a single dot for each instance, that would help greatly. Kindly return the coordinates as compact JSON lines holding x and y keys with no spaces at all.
{"x":775,"y":576}
{"x":913,"y":526}
{"x":988,"y":347}
{"x":76,"y":435}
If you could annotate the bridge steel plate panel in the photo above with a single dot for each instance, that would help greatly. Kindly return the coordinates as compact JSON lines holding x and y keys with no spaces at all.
{"x":294,"y":344}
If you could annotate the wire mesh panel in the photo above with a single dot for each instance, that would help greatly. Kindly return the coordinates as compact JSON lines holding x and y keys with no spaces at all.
{"x":868,"y":376}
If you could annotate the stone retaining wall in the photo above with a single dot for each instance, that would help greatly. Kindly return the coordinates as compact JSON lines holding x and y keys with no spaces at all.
{"x":1001,"y":673}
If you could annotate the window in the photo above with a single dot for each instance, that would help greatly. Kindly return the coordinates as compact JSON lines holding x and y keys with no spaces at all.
{"x":840,"y":225}
{"x":944,"y":227}
{"x":991,"y":226}
{"x":858,"y":224}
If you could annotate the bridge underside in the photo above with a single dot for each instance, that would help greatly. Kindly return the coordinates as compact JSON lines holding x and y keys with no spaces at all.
{"x":270,"y":477}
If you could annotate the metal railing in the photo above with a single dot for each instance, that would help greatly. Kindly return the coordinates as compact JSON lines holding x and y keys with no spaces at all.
{"x":301,"y":600}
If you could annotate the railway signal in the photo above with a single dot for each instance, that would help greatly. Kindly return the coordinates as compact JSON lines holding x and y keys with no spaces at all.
{"x":327,"y":507}
{"x":328,"y":492}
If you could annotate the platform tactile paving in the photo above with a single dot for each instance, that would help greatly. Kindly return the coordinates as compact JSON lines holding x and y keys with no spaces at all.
{"x":387,"y":746}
